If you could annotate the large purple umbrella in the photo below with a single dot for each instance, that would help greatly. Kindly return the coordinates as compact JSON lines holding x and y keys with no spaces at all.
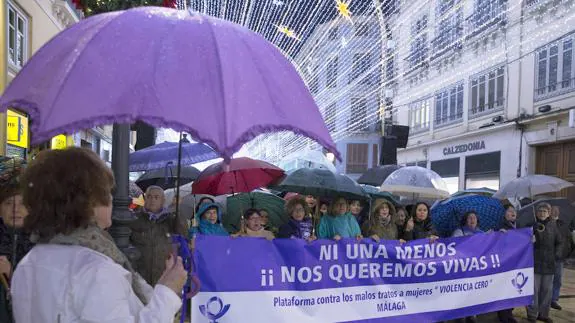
{"x":157,"y":156}
{"x":216,"y":80}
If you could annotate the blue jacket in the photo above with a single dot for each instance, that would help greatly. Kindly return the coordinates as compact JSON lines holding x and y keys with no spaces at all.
{"x":206,"y":227}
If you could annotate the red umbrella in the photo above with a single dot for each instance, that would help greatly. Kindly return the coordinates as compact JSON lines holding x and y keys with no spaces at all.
{"x":239,"y":175}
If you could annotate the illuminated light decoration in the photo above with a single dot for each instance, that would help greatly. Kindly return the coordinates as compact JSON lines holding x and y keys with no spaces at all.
{"x":288,"y":32}
{"x":343,"y":9}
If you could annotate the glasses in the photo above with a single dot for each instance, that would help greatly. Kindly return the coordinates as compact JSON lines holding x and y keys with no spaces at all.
{"x":299,"y":209}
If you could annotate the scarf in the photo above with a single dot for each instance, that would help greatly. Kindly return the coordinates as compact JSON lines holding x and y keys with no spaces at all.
{"x":303,"y":229}
{"x":156,"y":216}
{"x":100,"y":241}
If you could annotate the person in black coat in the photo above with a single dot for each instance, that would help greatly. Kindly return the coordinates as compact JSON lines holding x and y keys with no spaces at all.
{"x":300,"y":225}
{"x":546,"y":250}
{"x":419,"y":225}
{"x":567,"y":247}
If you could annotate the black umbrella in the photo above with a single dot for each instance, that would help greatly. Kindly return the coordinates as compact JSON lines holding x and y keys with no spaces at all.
{"x":526,"y":215}
{"x":166,"y":177}
{"x":375,"y":176}
{"x":321,"y":183}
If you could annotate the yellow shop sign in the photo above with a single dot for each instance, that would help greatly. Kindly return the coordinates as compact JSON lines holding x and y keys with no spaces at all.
{"x":59,"y":142}
{"x":16,"y":129}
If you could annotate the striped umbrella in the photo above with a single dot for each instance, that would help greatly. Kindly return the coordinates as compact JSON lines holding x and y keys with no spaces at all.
{"x":446,"y":215}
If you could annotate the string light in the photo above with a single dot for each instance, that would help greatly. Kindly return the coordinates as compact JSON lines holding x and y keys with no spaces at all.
{"x":272,"y":18}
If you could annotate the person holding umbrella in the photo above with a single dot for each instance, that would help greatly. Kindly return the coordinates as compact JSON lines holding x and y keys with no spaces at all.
{"x":339,"y":223}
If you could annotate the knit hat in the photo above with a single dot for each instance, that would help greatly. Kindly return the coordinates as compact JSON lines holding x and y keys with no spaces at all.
{"x":10,"y":171}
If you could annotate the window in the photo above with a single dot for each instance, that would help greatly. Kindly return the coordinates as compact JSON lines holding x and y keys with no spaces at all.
{"x":332,"y":73}
{"x":362,"y":29}
{"x":483,"y":170}
{"x":17,"y":36}
{"x":360,"y":66}
{"x":487,"y":91}
{"x":358,"y":114}
{"x":554,"y":68}
{"x":487,"y":13}
{"x":418,"y":47}
{"x":448,"y":169}
{"x":449,"y":30}
{"x":330,"y":117}
{"x":449,"y":105}
{"x":332,"y":33}
{"x":356,"y":161}
{"x":419,"y":116}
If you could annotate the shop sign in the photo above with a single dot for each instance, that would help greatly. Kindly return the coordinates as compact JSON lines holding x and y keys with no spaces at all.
{"x":59,"y":142}
{"x":16,"y":129}
{"x":458,"y":149}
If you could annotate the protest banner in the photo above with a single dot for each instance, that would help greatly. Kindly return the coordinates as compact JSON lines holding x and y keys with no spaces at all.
{"x":289,"y":280}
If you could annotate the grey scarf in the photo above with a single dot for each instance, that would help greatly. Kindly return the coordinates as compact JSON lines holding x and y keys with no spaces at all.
{"x":100,"y":241}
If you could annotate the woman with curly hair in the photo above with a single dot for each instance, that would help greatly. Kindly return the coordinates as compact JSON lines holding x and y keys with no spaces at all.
{"x":381,"y":224}
{"x":76,"y":273}
{"x":300,"y":225}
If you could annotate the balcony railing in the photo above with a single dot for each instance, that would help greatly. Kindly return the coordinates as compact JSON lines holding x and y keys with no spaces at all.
{"x":448,"y":120}
{"x":447,"y":41}
{"x":485,"y":18}
{"x":554,"y":89}
{"x":487,"y":108}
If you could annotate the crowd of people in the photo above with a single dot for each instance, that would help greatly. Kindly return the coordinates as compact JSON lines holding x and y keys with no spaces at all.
{"x":68,"y":266}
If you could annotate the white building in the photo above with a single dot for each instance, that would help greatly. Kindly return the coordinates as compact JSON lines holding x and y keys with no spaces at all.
{"x":340,"y":63}
{"x":486,"y":87}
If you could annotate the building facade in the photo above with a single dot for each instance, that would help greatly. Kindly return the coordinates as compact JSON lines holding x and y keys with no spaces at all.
{"x":25,"y":26}
{"x":340,"y":63}
{"x":486,"y":87}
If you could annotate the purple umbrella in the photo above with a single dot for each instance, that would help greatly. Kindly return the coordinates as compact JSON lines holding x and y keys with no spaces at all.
{"x":159,"y":155}
{"x":216,"y":80}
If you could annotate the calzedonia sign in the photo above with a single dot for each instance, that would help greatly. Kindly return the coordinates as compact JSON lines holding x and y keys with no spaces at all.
{"x":458,"y":149}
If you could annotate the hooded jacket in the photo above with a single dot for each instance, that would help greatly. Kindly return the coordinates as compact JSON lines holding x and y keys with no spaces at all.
{"x":206,"y":227}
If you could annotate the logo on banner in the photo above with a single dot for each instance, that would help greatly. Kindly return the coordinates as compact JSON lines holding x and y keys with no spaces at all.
{"x":214,"y":309}
{"x":519,"y":282}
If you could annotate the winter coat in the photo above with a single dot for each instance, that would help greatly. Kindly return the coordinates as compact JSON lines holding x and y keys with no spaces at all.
{"x":23,"y":246}
{"x":206,"y":227}
{"x":258,"y":234}
{"x":344,"y":225}
{"x":387,"y":231}
{"x":296,"y":229}
{"x":71,"y":284}
{"x":548,"y":247}
{"x":421,"y":230}
{"x":567,"y":241}
{"x":151,"y":235}
{"x":508,"y":225}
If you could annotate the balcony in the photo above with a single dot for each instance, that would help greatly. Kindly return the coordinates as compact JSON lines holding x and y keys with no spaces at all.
{"x":66,"y":12}
{"x":555,"y":89}
{"x":487,"y":108}
{"x":445,"y":120}
{"x":493,"y":16}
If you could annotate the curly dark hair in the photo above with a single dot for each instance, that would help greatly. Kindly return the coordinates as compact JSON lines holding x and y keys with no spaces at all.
{"x":60,"y":188}
{"x":250,"y":212}
{"x":291,"y":204}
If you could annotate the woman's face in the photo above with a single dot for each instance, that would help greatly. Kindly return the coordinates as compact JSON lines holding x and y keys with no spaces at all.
{"x":298,"y":212}
{"x":13,"y":211}
{"x":355,"y":207}
{"x":103,"y":215}
{"x":543,"y":214}
{"x":323,"y":209}
{"x":254,"y":222}
{"x":471,"y":221}
{"x":340,"y":206}
{"x":510,"y":214}
{"x":384,"y":212}
{"x":421,"y":212}
{"x":211,"y":216}
{"x":401,"y":216}
{"x":311,"y":201}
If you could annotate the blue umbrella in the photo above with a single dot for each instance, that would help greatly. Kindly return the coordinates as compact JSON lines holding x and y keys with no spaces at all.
{"x":157,"y":156}
{"x":478,"y":191}
{"x":446,"y":215}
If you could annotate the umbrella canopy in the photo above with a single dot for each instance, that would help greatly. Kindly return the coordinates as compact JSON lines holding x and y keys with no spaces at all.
{"x":526,"y":215}
{"x":321,"y":183}
{"x":216,"y":80}
{"x":415,"y":182}
{"x":531,"y":185}
{"x":239,"y":175}
{"x":166,"y":177}
{"x":475,"y":191}
{"x":446,"y":215}
{"x":375,"y":193}
{"x":375,"y":176}
{"x":239,"y":203}
{"x":159,"y":155}
{"x":306,"y":159}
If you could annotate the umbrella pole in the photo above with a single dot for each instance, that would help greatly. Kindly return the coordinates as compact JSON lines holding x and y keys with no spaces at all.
{"x":179,"y":170}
